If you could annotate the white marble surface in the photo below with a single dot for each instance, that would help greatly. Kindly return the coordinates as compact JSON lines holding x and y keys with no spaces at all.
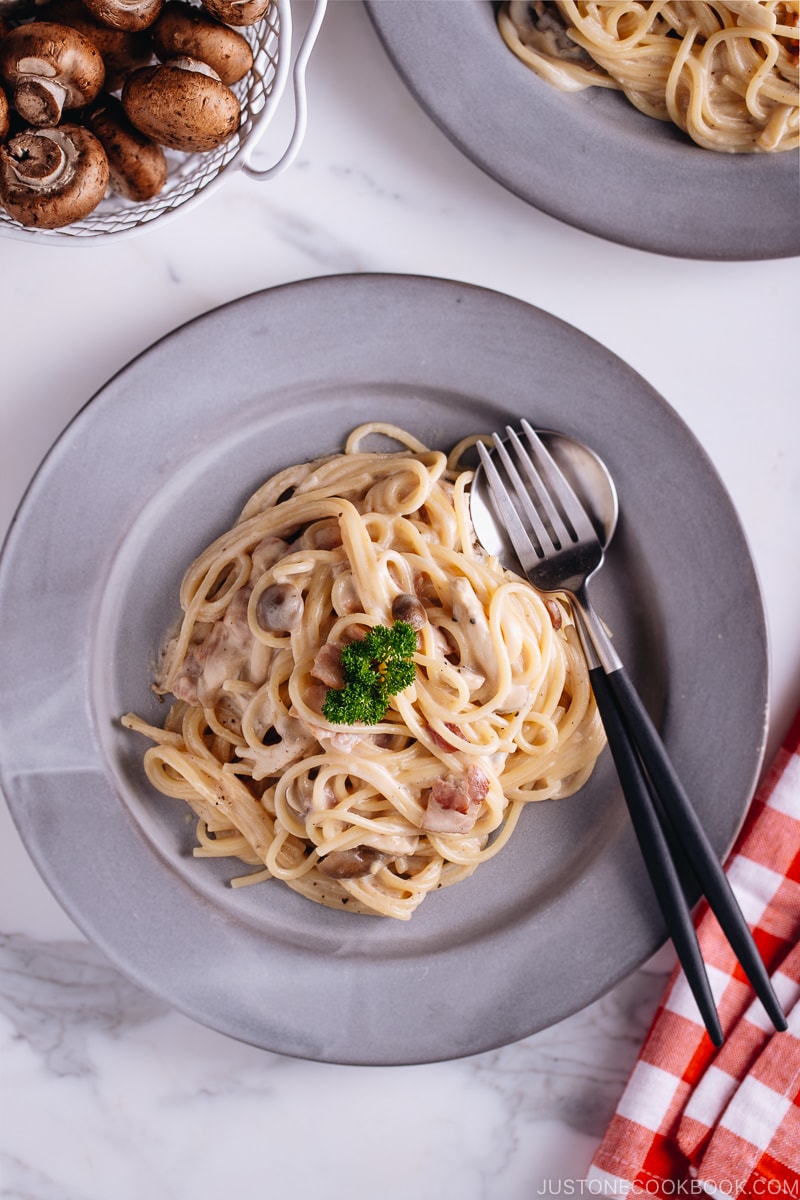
{"x":105,"y":1094}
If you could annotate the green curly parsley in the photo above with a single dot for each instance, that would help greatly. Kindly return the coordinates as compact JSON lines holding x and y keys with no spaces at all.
{"x":374,"y":670}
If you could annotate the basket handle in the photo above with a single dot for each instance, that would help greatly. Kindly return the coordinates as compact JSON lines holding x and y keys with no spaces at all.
{"x":300,"y":100}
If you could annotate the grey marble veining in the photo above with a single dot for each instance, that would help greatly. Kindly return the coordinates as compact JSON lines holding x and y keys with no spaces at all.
{"x":575,"y":1072}
{"x":88,"y":1050}
{"x":57,"y":995}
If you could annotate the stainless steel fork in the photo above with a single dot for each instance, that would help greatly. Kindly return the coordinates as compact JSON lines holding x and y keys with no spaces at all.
{"x":559,"y":551}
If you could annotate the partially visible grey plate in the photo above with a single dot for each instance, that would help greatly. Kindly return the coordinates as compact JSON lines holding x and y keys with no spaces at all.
{"x":589,"y":158}
{"x":156,"y":465}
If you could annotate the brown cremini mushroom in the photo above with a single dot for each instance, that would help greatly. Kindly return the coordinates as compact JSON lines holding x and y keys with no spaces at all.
{"x":410,"y":609}
{"x":280,"y":607}
{"x":137,"y":166}
{"x":5,"y":116}
{"x":184,"y":31}
{"x":353,"y":863}
{"x":132,"y":15}
{"x":48,"y":68}
{"x":122,"y":50}
{"x":182,"y":105}
{"x":52,"y":177}
{"x":237,"y":12}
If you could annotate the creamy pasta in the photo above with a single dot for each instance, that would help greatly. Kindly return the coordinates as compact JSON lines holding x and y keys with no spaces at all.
{"x":724,"y":73}
{"x":369,"y":817}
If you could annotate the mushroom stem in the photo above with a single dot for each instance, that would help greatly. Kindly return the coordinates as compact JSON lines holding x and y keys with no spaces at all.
{"x":40,"y":101}
{"x":185,"y":63}
{"x":40,"y":161}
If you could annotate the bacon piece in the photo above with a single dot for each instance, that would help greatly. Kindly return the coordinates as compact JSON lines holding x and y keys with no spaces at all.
{"x":455,"y":801}
{"x":327,"y":665}
{"x":442,"y":742}
{"x":477,"y":784}
{"x":222,"y":654}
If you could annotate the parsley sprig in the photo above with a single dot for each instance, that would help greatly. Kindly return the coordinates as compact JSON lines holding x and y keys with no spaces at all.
{"x":374,"y":669}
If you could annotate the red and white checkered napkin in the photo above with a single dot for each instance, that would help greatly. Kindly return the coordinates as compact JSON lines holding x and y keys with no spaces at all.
{"x":694,"y":1119}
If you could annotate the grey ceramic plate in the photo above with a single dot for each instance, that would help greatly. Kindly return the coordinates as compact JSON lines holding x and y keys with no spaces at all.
{"x":589,"y":158}
{"x":160,"y":462}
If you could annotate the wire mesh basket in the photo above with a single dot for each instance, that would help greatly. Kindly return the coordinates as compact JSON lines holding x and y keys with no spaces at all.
{"x":191,"y":177}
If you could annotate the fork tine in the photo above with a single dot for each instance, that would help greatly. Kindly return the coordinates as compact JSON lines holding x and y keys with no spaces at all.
{"x":523,"y":500}
{"x":527,"y":551}
{"x":559,"y":487}
{"x":561,"y":532}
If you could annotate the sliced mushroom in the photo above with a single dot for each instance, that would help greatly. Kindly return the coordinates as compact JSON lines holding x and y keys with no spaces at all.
{"x":351,"y":864}
{"x":181,"y":104}
{"x":183,"y":31}
{"x":237,"y":12}
{"x":51,"y":177}
{"x":50,"y":67}
{"x":137,"y":166}
{"x":132,"y":15}
{"x":408,"y":608}
{"x":280,"y":607}
{"x":122,"y":50}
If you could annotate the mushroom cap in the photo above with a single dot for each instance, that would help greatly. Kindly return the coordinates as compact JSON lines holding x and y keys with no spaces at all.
{"x":237,"y":12}
{"x":181,"y":107}
{"x":50,"y":67}
{"x":125,"y":14}
{"x":122,"y":50}
{"x":137,"y":166}
{"x":184,"y":30}
{"x":51,"y":177}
